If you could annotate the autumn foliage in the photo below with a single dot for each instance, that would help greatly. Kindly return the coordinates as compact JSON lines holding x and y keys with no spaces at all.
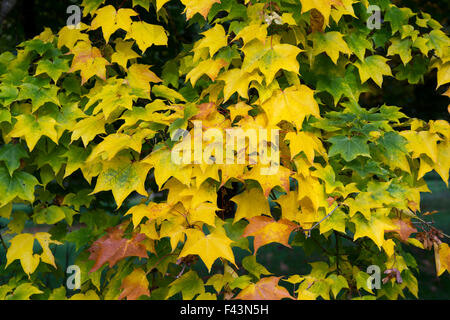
{"x":88,"y":123}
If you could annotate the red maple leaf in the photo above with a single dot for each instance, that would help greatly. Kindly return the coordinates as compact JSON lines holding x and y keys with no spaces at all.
{"x":112,"y":247}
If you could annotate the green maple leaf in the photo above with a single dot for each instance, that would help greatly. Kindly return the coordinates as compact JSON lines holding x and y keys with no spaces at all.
{"x":373,"y":228}
{"x":11,"y":155}
{"x":122,"y":177}
{"x":23,"y":292}
{"x":189,"y":284}
{"x":8,"y":94}
{"x":50,"y":215}
{"x":349,"y":147}
{"x":366,"y":168}
{"x":331,"y":43}
{"x":54,"y":69}
{"x":402,"y":48}
{"x":91,"y":5}
{"x":358,"y":43}
{"x":439,"y":41}
{"x":143,"y":3}
{"x":251,"y":265}
{"x":347,"y":86}
{"x":37,"y":45}
{"x":5,"y":116}
{"x":54,"y":214}
{"x":397,"y":17}
{"x":38,"y":95}
{"x":80,"y":237}
{"x":393,"y":144}
{"x":20,"y":185}
{"x":373,"y":67}
{"x":413,"y":72}
{"x":338,"y":283}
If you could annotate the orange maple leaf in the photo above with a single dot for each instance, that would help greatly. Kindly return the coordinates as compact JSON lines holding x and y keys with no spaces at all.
{"x":265,"y":289}
{"x":266,"y":230}
{"x":405,"y":228}
{"x":112,"y":247}
{"x":135,"y":285}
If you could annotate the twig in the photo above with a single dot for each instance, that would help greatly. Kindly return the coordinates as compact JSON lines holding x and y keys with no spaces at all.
{"x":428,"y":224}
{"x":181,"y":272}
{"x":310,"y":229}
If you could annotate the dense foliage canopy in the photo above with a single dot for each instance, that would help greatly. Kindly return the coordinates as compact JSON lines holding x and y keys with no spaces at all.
{"x":89,"y":118}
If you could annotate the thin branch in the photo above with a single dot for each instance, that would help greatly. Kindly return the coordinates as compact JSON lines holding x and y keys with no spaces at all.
{"x":428,"y":224}
{"x":181,"y":272}
{"x":310,"y":229}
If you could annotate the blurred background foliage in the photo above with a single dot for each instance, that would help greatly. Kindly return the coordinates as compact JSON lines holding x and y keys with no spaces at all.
{"x":24,"y":19}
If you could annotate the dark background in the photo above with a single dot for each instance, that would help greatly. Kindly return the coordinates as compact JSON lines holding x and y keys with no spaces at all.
{"x":27,"y":18}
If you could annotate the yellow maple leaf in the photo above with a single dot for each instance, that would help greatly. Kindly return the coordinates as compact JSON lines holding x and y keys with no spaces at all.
{"x":140,"y":77}
{"x":292,"y":104}
{"x":310,"y":188}
{"x":442,"y":164}
{"x":204,"y":212}
{"x":270,"y":57}
{"x":88,"y":128}
{"x":214,"y":39}
{"x":373,"y":228}
{"x":122,"y":176}
{"x":22,"y":249}
{"x":290,"y":206}
{"x":209,"y":67}
{"x":237,"y":80}
{"x":147,"y":35}
{"x":442,"y":257}
{"x":422,"y":142}
{"x":323,"y":6}
{"x":208,"y":247}
{"x":123,"y":53}
{"x":32,"y":128}
{"x":304,"y":142}
{"x":165,"y":168}
{"x":269,"y":181}
{"x":151,"y":211}
{"x":113,"y":144}
{"x":198,"y":6}
{"x":68,"y":37}
{"x":250,"y":203}
{"x":443,"y":72}
{"x":253,"y":31}
{"x":110,"y":20}
{"x":89,"y":61}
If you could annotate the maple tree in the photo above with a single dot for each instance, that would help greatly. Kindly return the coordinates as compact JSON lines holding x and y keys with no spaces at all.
{"x":86,"y":122}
